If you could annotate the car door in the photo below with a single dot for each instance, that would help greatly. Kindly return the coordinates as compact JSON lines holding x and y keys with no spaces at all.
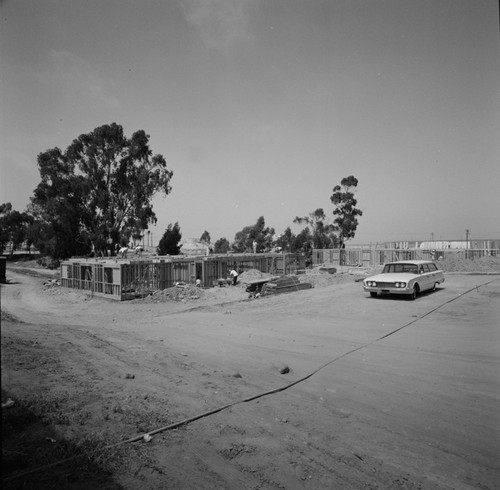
{"x":423,"y":279}
{"x":434,"y":275}
{"x":427,"y":277}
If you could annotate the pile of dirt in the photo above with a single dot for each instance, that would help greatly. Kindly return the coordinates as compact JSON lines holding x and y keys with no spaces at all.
{"x":458,"y":263}
{"x":182,"y":293}
{"x":320,"y":277}
{"x":253,"y":275}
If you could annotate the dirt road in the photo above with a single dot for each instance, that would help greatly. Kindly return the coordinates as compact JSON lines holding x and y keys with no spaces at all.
{"x":415,"y":410}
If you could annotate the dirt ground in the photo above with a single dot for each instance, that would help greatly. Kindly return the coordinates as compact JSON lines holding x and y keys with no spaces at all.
{"x":322,"y":388}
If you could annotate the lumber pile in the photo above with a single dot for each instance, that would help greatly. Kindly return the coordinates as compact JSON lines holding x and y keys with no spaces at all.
{"x":284,"y":284}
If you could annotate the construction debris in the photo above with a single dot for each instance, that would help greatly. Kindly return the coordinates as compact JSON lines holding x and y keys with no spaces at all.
{"x":180,"y":292}
{"x":328,"y":269}
{"x":51,"y":283}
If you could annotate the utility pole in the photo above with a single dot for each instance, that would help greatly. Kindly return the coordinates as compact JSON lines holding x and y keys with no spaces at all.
{"x":466,"y":243}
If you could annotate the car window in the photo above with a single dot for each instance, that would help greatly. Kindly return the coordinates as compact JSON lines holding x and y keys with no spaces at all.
{"x":433,"y":267}
{"x":426,"y":268}
{"x":397,"y":268}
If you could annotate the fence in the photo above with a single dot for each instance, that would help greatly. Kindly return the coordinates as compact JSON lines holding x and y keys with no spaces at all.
{"x":372,"y":257}
{"x":125,"y":279}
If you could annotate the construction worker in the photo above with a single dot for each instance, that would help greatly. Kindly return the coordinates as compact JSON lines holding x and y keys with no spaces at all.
{"x":234,"y":276}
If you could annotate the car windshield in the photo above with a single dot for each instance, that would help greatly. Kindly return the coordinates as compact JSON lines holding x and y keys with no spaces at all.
{"x":409,"y":268}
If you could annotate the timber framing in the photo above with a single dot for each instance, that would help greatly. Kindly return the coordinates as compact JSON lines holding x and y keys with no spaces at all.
{"x":375,"y":256}
{"x":122,"y":279}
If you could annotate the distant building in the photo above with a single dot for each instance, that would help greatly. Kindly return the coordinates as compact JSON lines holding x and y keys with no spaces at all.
{"x":192,"y":246}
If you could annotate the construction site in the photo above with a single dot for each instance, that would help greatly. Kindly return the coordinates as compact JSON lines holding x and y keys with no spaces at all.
{"x":123,"y":278}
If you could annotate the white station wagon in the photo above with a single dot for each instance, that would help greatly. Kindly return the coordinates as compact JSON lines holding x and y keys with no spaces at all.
{"x":405,"y":277}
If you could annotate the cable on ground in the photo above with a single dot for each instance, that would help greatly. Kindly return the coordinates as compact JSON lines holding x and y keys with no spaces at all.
{"x":259,"y":395}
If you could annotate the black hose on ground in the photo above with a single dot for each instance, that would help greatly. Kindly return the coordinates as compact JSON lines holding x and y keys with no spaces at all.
{"x":190,"y":420}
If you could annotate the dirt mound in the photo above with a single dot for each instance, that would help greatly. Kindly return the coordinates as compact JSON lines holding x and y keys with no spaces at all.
{"x":458,"y":263}
{"x":320,"y":277}
{"x":253,"y":275}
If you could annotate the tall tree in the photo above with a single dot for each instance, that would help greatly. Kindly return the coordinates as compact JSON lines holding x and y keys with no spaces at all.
{"x":169,"y":243}
{"x":57,"y":206}
{"x":345,"y":209}
{"x":100,"y":189}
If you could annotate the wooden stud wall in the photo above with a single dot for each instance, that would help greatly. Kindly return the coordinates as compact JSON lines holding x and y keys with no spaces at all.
{"x":126,"y":279}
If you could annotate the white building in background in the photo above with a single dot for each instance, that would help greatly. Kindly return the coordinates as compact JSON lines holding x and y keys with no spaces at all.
{"x":192,"y":246}
{"x":443,"y":245}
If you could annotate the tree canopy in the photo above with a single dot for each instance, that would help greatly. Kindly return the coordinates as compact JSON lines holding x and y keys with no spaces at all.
{"x":286,"y":240}
{"x":98,"y":193}
{"x":222,"y":246}
{"x":205,"y":237}
{"x":322,"y":234}
{"x":14,"y":227}
{"x":345,"y":208}
{"x":169,"y":243}
{"x":260,"y":233}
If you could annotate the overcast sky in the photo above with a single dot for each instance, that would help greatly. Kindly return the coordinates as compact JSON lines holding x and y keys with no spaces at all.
{"x":261,"y":107}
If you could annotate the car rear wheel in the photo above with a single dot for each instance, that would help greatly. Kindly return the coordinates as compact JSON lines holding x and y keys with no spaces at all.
{"x":415,"y":292}
{"x":373,"y":294}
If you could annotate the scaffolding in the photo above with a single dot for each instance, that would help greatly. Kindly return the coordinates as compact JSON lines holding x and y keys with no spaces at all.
{"x":123,"y":279}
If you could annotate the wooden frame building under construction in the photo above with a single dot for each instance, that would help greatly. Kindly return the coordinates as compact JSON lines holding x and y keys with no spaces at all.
{"x":121,"y":278}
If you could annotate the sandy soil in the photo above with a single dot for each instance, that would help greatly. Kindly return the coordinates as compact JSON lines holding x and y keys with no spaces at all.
{"x":417,"y":409}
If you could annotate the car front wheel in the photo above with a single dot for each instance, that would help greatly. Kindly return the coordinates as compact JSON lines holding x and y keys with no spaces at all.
{"x":373,"y":294}
{"x":415,"y":292}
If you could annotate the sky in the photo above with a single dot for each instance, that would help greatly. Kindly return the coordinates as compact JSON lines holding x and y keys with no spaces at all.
{"x":262,"y":107}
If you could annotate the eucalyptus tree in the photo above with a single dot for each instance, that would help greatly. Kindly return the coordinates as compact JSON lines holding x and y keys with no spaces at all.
{"x":345,"y":210}
{"x":98,"y":193}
